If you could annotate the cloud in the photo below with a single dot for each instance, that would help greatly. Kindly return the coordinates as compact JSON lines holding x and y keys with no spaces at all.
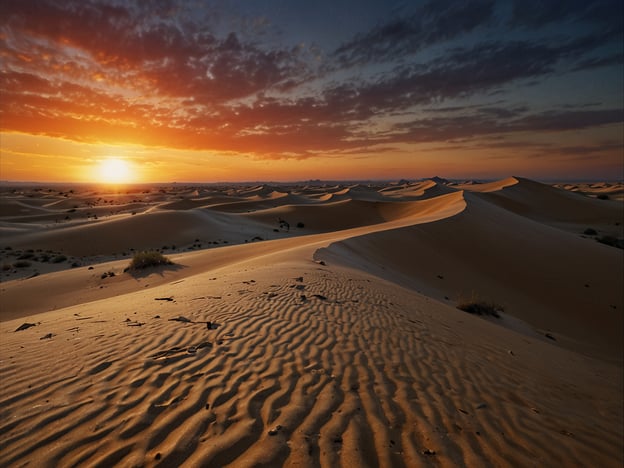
{"x":436,"y":21}
{"x":616,"y":58}
{"x":158,"y":73}
{"x":484,"y":123}
{"x":172,"y":59}
{"x":533,"y":14}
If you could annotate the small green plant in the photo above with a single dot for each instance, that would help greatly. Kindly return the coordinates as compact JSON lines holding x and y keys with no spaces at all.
{"x":480,"y":307}
{"x":147,"y":259}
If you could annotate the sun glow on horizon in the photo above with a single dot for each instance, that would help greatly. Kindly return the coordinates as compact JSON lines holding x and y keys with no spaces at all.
{"x":114,"y":171}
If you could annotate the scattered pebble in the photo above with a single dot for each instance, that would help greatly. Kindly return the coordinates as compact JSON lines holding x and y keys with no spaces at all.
{"x":181,"y":319}
{"x":47,"y":337}
{"x":25,"y":326}
{"x":275,"y":430}
{"x":429,"y":452}
{"x":135,"y":324}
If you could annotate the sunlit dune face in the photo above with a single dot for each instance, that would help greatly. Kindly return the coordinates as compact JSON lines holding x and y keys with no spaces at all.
{"x":114,"y":171}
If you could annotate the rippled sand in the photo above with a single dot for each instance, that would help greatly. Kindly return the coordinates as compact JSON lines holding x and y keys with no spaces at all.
{"x":338,"y":344}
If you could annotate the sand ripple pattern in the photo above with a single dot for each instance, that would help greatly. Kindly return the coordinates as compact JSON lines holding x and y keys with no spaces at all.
{"x":357,"y":373}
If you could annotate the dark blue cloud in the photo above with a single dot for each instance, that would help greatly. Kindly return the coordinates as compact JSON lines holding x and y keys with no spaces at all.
{"x":534,"y":14}
{"x":437,"y":21}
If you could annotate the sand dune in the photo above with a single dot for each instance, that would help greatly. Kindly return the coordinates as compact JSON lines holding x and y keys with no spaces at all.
{"x":420,"y":191}
{"x":18,"y":208}
{"x":193,"y":203}
{"x":489,"y":186}
{"x":330,"y":344}
{"x":546,"y":277}
{"x":150,"y":230}
{"x":350,"y":213}
{"x":614,"y":190}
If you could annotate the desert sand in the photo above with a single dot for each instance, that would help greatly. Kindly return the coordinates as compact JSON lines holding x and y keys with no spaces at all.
{"x":312,"y":325}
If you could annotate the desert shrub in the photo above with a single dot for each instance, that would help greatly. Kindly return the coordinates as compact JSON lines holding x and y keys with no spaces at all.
{"x":590,"y":232}
{"x":603,"y":196}
{"x":611,"y":241}
{"x":21,"y":264}
{"x":479,"y":307}
{"x":59,"y":259}
{"x":148,"y":258}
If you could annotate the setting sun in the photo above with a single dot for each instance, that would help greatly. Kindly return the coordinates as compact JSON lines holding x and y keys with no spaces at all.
{"x":114,"y":171}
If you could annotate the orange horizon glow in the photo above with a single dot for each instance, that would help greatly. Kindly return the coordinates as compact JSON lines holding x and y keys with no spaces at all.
{"x":41,"y":159}
{"x":114,"y":171}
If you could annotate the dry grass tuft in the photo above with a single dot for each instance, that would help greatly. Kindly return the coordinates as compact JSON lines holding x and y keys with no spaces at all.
{"x":480,"y":307}
{"x":147,"y":259}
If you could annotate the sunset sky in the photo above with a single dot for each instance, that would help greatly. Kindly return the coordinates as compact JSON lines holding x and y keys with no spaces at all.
{"x":210,"y":91}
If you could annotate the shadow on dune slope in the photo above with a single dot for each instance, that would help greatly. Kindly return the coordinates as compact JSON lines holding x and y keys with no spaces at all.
{"x":553,"y":280}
